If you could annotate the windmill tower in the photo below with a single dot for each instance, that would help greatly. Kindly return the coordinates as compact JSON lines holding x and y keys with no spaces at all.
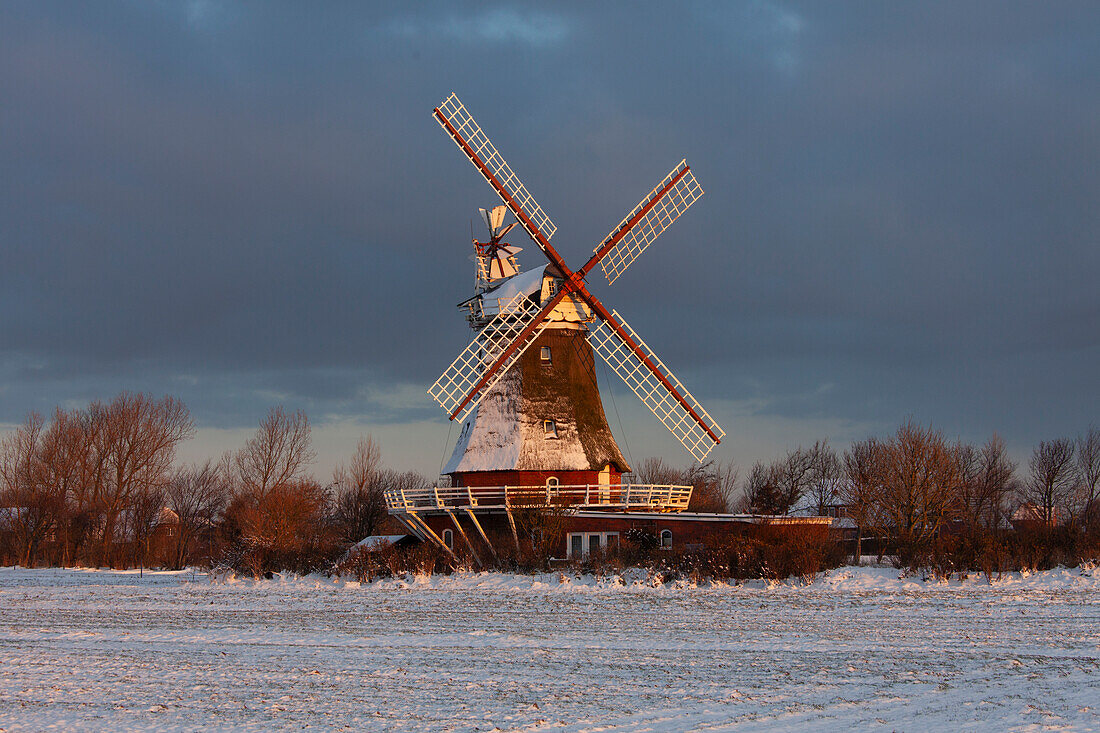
{"x":543,"y":420}
{"x":524,"y":389}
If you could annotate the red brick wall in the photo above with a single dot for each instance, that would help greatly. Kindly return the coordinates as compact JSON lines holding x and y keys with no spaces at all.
{"x":530,"y":478}
{"x":684,"y":532}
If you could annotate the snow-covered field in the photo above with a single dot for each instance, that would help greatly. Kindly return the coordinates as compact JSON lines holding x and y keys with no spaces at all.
{"x":858,"y":649}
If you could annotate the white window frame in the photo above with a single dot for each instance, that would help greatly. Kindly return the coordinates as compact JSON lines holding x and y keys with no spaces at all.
{"x":662,"y":536}
{"x":553,"y":482}
{"x":544,"y":354}
{"x":605,"y":539}
{"x":449,"y":539}
{"x":550,"y":428}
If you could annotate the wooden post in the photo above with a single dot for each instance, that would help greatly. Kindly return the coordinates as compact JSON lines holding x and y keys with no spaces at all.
{"x":463,"y":533}
{"x":424,"y":526}
{"x":511,"y":521}
{"x":473,"y":518}
{"x":412,"y":528}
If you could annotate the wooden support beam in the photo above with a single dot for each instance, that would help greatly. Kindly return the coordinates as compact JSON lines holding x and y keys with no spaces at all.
{"x":473,"y":518}
{"x":410,"y":527}
{"x":463,"y":533}
{"x":511,"y":522}
{"x":424,"y":526}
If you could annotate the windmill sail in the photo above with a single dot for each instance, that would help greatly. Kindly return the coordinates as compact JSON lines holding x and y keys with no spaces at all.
{"x":653,"y":214}
{"x":476,"y":146}
{"x":692,"y":425}
{"x":457,"y":389}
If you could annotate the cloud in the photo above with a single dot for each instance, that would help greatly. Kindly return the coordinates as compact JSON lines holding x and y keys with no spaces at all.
{"x":759,"y":30}
{"x":496,"y":25}
{"x":256,"y":205}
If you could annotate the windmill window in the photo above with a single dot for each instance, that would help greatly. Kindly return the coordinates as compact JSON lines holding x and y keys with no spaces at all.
{"x":666,"y":539}
{"x":449,"y":539}
{"x":553,"y":482}
{"x":550,"y":428}
{"x":544,"y":354}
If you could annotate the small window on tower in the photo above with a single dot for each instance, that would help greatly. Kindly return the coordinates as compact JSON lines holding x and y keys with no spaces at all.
{"x":544,"y":353}
{"x":550,"y":428}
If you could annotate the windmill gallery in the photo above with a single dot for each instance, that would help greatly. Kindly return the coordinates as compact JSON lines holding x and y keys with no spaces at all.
{"x":534,"y":438}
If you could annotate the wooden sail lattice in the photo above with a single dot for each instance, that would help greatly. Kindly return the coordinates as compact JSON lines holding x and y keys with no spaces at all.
{"x":650,"y":389}
{"x":464,"y":373}
{"x":470,"y":138}
{"x":682,"y":191}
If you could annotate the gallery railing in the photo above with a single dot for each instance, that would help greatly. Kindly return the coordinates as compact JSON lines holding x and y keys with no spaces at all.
{"x":630,"y":497}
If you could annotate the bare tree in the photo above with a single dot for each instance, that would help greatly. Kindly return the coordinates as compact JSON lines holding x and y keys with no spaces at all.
{"x":824,"y":477}
{"x":138,"y":442}
{"x":969,"y":489}
{"x":280,"y":528}
{"x":996,"y":478}
{"x":1088,"y":476}
{"x":360,"y":505}
{"x":198,"y":495}
{"x":1052,"y":478}
{"x":762,"y":487}
{"x":83,"y":430}
{"x":861,"y":489}
{"x":794,"y":479}
{"x":277,"y":455}
{"x":32,"y":506}
{"x":140,"y":520}
{"x":64,"y":463}
{"x":919,"y":482}
{"x":656,"y":471}
{"x":776,"y":488}
{"x":713,"y":485}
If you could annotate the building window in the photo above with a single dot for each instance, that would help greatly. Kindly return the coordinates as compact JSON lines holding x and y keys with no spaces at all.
{"x":449,"y":539}
{"x":553,"y":482}
{"x":583,"y":544}
{"x":550,"y":428}
{"x":666,"y":539}
{"x":544,"y":354}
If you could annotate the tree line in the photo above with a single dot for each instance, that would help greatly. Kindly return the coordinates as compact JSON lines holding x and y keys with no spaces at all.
{"x":914,"y":487}
{"x":98,"y":486}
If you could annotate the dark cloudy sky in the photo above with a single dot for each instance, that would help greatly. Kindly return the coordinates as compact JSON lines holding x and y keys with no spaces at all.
{"x":250,"y":204}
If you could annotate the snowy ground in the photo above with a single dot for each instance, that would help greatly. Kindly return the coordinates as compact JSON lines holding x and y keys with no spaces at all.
{"x":857,"y":649}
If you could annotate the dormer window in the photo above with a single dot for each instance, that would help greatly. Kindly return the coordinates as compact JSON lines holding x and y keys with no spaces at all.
{"x":550,"y":428}
{"x":544,"y":354}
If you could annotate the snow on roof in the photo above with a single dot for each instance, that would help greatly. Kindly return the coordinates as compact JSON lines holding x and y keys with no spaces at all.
{"x":377,"y":541}
{"x":490,"y":439}
{"x":527,"y":283}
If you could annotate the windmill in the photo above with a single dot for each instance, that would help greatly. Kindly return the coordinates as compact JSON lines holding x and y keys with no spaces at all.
{"x":512,"y":312}
{"x":496,"y":259}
